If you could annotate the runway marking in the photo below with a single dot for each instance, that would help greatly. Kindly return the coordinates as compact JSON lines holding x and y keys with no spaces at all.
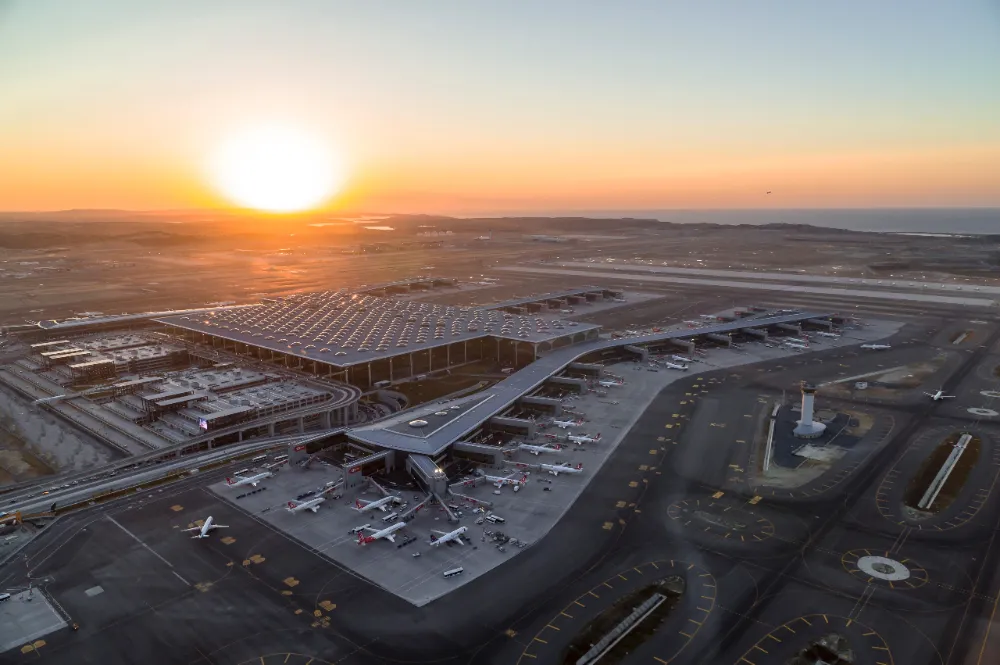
{"x":180,"y":578}
{"x":138,"y":540}
{"x":553,"y":627}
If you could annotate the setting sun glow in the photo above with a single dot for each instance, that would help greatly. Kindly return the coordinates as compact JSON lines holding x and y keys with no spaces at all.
{"x":276,"y":169}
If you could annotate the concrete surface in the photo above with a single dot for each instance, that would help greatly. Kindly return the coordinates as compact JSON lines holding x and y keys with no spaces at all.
{"x":25,"y":618}
{"x":530,"y":513}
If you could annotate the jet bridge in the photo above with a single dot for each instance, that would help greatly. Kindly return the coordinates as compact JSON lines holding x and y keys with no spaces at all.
{"x":427,"y":473}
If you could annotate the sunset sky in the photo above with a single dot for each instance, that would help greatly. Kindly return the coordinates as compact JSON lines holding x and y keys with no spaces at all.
{"x":483,"y":107}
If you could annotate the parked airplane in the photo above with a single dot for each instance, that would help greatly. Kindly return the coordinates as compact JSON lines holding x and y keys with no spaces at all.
{"x":312,"y":504}
{"x":563,"y":424}
{"x":248,"y":480}
{"x":939,"y":395}
{"x":382,"y":504}
{"x":876,"y":347}
{"x":610,"y":384}
{"x":537,"y":450}
{"x":828,"y":334}
{"x":677,"y":366}
{"x":500,"y":481}
{"x":386,"y":533}
{"x":455,"y":535}
{"x":565,"y":467}
{"x":208,"y":527}
{"x":583,"y":438}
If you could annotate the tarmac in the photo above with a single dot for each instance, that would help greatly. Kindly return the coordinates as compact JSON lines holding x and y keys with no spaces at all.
{"x":529,"y":513}
{"x":749,"y":600}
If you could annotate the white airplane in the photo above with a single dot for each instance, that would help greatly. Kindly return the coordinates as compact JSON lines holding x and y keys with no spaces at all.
{"x":563,"y":424}
{"x":382,"y":504}
{"x":676,"y":366}
{"x":583,"y":438}
{"x":500,"y":481}
{"x":248,"y":480}
{"x":607,"y":383}
{"x":682,"y":359}
{"x":565,"y":467}
{"x":386,"y":533}
{"x":538,"y":450}
{"x":939,"y":395}
{"x":208,"y":527}
{"x":455,"y":535}
{"x":312,"y":504}
{"x":828,"y":334}
{"x":876,"y":347}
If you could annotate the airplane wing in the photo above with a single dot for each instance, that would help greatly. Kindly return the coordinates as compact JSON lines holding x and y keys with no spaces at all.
{"x":220,"y":526}
{"x":460,"y":541}
{"x":196,"y":528}
{"x":391,"y":538}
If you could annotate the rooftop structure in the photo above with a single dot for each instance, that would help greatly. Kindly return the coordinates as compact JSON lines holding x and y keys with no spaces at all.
{"x":339,"y":330}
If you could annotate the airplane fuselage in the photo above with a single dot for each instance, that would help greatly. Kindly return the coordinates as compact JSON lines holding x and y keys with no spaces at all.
{"x":455,"y":535}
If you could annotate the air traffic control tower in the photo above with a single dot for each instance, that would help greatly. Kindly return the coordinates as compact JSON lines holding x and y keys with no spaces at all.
{"x":807,"y":428}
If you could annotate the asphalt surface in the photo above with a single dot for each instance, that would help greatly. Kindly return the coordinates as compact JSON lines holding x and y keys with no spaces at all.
{"x":765,"y":574}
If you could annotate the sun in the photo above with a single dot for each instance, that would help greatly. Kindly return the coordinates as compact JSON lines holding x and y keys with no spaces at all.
{"x":276,"y":169}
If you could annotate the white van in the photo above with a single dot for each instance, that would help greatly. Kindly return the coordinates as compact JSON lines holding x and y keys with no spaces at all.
{"x":6,"y":596}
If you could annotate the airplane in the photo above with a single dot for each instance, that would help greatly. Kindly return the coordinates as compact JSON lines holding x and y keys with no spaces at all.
{"x":609,"y":384}
{"x":876,"y":347}
{"x":386,"y":533}
{"x":208,"y":527}
{"x":828,"y":334}
{"x":500,"y":481}
{"x":565,"y":467}
{"x":677,"y":366}
{"x":537,"y":450}
{"x":939,"y":395}
{"x":455,"y":535}
{"x":583,"y":438}
{"x":563,"y":424}
{"x":248,"y":480}
{"x":312,"y":504}
{"x":381,"y":504}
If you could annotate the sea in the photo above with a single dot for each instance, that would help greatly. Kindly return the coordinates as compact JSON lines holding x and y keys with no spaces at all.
{"x":937,"y":221}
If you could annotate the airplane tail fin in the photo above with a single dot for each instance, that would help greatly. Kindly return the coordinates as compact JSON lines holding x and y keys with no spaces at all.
{"x":357,"y":503}
{"x":229,"y":481}
{"x":579,"y":465}
{"x":598,"y":437}
{"x":291,"y":504}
